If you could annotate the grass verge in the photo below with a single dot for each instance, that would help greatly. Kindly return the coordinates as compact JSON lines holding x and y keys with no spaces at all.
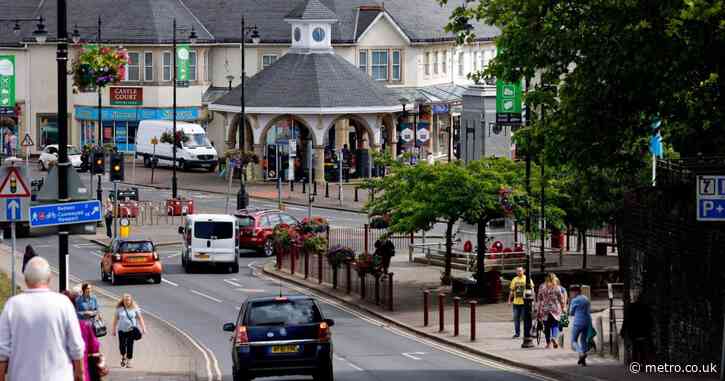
{"x":4,"y":289}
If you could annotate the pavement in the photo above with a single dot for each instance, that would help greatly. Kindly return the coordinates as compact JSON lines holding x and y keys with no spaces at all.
{"x":164,"y":353}
{"x":493,"y":323}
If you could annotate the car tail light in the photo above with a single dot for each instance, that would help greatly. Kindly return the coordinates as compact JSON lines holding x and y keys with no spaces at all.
{"x":117,"y":257}
{"x":241,"y":337}
{"x":324,"y":332}
{"x":156,"y":256}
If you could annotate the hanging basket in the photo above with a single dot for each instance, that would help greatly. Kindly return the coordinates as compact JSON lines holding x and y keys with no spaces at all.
{"x":97,"y":67}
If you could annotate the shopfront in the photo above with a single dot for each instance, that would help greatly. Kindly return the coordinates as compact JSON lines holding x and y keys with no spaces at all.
{"x":120,"y":124}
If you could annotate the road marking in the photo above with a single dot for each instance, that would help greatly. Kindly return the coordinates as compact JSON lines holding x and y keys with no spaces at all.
{"x":173,"y":256}
{"x":346,"y":361}
{"x":169,"y":282}
{"x":251,"y":290}
{"x":233,"y":283}
{"x":203,"y":295}
{"x":410,"y":355}
{"x":96,"y":253}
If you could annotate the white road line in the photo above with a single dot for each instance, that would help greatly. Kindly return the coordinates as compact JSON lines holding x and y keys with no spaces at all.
{"x":233,"y":283}
{"x":169,"y":282}
{"x":410,"y":355}
{"x":346,"y":361}
{"x":173,"y":256}
{"x":77,"y":244}
{"x":96,"y":254}
{"x":203,"y":295}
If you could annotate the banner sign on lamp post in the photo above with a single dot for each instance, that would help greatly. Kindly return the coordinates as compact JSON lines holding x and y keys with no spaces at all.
{"x":183,"y":63}
{"x":7,"y":81}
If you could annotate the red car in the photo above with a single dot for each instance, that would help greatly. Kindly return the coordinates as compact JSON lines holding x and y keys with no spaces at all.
{"x":255,"y":228}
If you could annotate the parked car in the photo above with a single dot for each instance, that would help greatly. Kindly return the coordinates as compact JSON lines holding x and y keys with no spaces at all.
{"x":256,"y":226}
{"x":281,"y":336}
{"x":209,"y":239}
{"x":50,"y":154}
{"x":131,"y":258}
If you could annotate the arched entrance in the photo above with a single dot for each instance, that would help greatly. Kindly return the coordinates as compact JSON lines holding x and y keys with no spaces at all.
{"x":232,"y":138}
{"x":286,"y":151}
{"x":353,"y":136}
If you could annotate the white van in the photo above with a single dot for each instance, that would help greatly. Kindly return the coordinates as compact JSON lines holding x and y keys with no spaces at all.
{"x":197,"y":151}
{"x":209,"y":239}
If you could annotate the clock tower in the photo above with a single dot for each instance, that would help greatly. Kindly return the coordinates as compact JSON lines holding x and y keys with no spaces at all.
{"x":311,"y":27}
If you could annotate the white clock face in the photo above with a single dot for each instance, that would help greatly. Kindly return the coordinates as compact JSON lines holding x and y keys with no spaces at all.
{"x":318,"y":34}
{"x":298,"y":34}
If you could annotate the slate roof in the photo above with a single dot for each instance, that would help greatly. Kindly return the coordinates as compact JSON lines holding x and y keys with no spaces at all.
{"x":364,"y":18}
{"x":312,"y":10}
{"x":149,"y":21}
{"x":311,"y":81}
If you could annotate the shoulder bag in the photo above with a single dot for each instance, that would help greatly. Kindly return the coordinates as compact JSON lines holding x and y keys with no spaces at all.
{"x":99,"y":326}
{"x":135,"y":332}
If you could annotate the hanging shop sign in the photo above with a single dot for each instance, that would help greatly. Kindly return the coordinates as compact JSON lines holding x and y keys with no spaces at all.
{"x":126,"y":96}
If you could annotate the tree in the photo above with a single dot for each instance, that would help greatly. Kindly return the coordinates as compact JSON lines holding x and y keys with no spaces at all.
{"x":617,"y":65}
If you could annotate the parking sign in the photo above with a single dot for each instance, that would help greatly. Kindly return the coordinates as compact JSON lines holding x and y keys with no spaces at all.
{"x":711,"y":198}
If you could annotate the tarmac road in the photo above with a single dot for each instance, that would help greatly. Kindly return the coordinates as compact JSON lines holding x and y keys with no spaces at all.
{"x":200,"y":303}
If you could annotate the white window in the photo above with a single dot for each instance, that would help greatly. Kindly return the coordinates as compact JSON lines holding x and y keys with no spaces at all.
{"x":168,"y":70}
{"x":362,"y":60}
{"x":426,"y":64}
{"x":474,"y":59}
{"x":380,"y":65}
{"x":206,"y":65}
{"x":482,"y":57}
{"x":268,"y":59}
{"x":435,"y":62}
{"x":461,"y":63}
{"x":444,"y":62}
{"x":396,"y":66}
{"x":133,"y":68}
{"x":192,"y":65}
{"x":148,"y":66}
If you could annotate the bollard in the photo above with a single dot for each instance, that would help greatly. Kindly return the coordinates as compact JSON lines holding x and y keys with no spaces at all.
{"x":441,"y":312}
{"x":472,"y":304}
{"x":363,"y":291}
{"x":292,"y":260}
{"x":456,"y":304}
{"x":327,"y":189}
{"x":307,"y":265}
{"x":319,"y":269}
{"x":425,"y":308}
{"x":279,"y":261}
{"x":367,"y":237}
{"x":390,"y":291}
{"x":291,"y":186}
{"x":334,"y":278}
{"x":314,"y":188}
{"x":356,"y":199}
{"x":348,"y":277}
{"x":304,"y":187}
{"x":377,"y":290}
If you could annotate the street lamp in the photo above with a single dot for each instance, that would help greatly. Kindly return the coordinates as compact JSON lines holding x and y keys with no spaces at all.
{"x":192,"y":39}
{"x":253,"y":33}
{"x":419,"y":102}
{"x":40,"y":34}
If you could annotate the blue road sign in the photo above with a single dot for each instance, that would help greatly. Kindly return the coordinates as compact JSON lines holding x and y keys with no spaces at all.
{"x":65,"y":214}
{"x":711,"y":198}
{"x":13,"y":209}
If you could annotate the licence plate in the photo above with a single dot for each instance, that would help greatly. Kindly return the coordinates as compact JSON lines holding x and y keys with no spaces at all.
{"x":137,"y":259}
{"x":202,"y":255}
{"x":285,"y":348}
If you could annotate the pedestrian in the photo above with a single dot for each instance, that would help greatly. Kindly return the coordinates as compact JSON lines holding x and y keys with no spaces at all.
{"x":109,"y":222}
{"x":516,"y":297}
{"x":40,"y":337}
{"x":385,"y":249}
{"x":550,"y":304}
{"x":580,"y":315}
{"x":86,"y":303}
{"x":129,"y":324}
{"x":91,"y":355}
{"x":29,"y":254}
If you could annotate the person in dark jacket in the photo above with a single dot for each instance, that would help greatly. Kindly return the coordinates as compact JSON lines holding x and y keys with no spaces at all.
{"x":29,"y":254}
{"x":385,"y":248}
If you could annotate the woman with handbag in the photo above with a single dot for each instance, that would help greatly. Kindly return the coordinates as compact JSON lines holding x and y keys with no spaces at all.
{"x":86,"y":303}
{"x":549,"y":308}
{"x":130,"y":326}
{"x":94,"y":367}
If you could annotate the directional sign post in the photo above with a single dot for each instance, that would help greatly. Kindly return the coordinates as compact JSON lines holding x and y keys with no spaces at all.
{"x":14,"y":199}
{"x":67,"y":213}
{"x":711,"y":198}
{"x":27,"y":143}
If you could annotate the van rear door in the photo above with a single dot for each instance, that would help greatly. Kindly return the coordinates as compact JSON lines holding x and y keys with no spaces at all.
{"x":214,"y":241}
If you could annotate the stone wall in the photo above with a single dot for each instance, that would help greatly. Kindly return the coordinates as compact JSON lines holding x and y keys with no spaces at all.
{"x":674,"y":267}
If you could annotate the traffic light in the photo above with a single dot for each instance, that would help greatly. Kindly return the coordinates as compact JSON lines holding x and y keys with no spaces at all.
{"x":116,"y":173}
{"x":99,"y":163}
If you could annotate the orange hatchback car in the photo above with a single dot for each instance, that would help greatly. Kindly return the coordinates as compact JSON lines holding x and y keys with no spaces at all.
{"x":131,"y":259}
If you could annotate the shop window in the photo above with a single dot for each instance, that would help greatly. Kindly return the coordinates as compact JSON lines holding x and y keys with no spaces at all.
{"x":88,"y":132}
{"x":380,"y":65}
{"x":396,"y":66}
{"x":48,"y":130}
{"x":363,"y":61}
{"x":167,"y":66}
{"x":133,"y":68}
{"x":268,"y":60}
{"x":148,"y":66}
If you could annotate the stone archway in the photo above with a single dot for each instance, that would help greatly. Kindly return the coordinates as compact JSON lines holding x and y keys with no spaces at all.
{"x":232,"y":138}
{"x":287,"y":127}
{"x":364,"y":132}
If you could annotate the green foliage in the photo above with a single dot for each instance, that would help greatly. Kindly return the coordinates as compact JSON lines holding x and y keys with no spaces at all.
{"x":99,"y":66}
{"x":368,"y":264}
{"x":338,"y":255}
{"x":5,"y":289}
{"x":285,"y":236}
{"x":181,"y":137}
{"x":314,"y":244}
{"x":246,"y":157}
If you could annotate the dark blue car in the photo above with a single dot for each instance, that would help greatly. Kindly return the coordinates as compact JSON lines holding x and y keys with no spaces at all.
{"x":281,"y":336}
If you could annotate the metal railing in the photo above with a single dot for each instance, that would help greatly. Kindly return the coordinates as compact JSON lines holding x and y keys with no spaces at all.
{"x":615,"y":292}
{"x":503,"y":261}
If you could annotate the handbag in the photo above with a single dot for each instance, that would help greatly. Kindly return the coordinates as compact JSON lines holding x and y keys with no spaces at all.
{"x":135,"y":332}
{"x":564,"y":321}
{"x":97,"y":366}
{"x":99,"y":327}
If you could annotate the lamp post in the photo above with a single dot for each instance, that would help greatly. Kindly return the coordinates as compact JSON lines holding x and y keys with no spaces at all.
{"x":403,"y":117}
{"x":63,"y":164}
{"x":528,"y":294}
{"x":192,"y":39}
{"x":246,"y":31}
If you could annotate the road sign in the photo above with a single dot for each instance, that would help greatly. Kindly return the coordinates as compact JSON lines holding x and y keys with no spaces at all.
{"x":13,"y":210}
{"x":27,"y":141}
{"x":711,"y":198}
{"x":14,"y":183}
{"x":65,"y":213}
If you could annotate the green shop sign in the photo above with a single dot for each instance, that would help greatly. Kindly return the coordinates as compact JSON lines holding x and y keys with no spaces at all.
{"x":7,"y":81}
{"x":508,"y":98}
{"x":183,"y":62}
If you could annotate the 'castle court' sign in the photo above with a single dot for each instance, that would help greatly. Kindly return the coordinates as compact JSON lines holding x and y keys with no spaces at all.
{"x":126,"y":96}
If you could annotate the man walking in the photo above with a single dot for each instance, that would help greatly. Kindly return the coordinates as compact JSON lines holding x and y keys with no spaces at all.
{"x":40,"y":338}
{"x":516,"y":295}
{"x":580,"y":314}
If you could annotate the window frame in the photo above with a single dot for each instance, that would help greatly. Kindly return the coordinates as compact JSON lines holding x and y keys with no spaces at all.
{"x":399,"y":65}
{"x":146,"y":66}
{"x":276,"y":57}
{"x":435,"y":62}
{"x":193,"y":65}
{"x":461,"y":63}
{"x":426,"y":63}
{"x":137,"y":66}
{"x":363,"y":67}
{"x":384,"y":65}
{"x":164,"y":66}
{"x":444,"y":62}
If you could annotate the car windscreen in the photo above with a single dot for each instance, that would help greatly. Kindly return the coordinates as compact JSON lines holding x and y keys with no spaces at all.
{"x":136,"y":247}
{"x":214,"y":230}
{"x":197,"y":140}
{"x":245,"y":222}
{"x":283,"y":312}
{"x":73,"y":151}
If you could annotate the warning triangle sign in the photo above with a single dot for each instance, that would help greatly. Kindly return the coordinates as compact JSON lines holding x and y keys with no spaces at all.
{"x":27,"y":141}
{"x":13,"y":185}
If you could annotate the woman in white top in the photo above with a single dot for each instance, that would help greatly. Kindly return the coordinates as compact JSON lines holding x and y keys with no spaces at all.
{"x":125,"y":320}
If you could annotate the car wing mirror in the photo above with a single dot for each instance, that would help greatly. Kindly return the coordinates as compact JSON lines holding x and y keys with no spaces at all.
{"x":330,"y":322}
{"x":229,"y":327}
